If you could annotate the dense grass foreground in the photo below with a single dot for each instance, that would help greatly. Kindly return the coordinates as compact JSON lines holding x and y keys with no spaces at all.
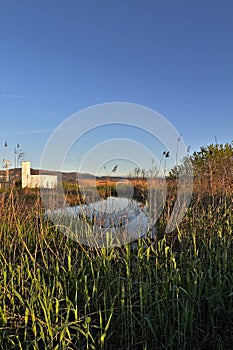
{"x":174,"y":293}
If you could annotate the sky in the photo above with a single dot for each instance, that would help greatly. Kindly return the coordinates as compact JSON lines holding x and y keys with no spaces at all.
{"x":60,"y":57}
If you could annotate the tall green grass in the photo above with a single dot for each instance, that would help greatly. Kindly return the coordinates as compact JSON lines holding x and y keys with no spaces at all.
{"x":173,"y":293}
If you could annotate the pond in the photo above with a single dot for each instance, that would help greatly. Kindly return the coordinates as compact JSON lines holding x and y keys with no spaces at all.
{"x":108,"y":222}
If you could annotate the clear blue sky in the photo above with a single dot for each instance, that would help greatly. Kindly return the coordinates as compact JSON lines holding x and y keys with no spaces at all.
{"x":58,"y":57}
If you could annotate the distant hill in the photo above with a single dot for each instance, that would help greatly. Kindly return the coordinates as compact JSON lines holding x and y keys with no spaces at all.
{"x":15,"y":174}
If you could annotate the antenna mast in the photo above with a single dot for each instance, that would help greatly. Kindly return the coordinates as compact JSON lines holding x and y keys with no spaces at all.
{"x":17,"y":155}
{"x":6,"y":163}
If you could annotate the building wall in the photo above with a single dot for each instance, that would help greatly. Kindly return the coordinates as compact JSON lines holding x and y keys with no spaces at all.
{"x":42,"y":181}
{"x":36,"y":181}
{"x":25,"y":173}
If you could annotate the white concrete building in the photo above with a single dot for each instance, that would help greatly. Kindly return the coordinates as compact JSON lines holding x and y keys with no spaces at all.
{"x":39,"y":181}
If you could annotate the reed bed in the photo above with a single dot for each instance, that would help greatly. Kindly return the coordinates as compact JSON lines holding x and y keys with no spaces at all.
{"x":175,"y":292}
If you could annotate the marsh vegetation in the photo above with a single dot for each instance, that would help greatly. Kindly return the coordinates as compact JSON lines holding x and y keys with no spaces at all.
{"x":175,"y":292}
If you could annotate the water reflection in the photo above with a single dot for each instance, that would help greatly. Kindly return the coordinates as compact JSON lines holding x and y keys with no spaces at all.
{"x":111,"y":221}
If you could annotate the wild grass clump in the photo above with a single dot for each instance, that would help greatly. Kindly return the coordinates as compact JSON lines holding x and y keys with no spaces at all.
{"x":173,"y":293}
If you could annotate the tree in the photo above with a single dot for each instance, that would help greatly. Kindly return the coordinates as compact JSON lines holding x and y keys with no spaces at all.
{"x":212,"y":169}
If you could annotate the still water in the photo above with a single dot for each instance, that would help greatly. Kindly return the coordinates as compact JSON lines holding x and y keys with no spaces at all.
{"x":111,"y":221}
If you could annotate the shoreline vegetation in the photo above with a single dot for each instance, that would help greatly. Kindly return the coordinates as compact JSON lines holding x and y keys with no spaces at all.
{"x":175,"y":292}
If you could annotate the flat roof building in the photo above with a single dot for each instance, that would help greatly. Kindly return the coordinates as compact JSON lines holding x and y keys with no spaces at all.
{"x":37,"y":181}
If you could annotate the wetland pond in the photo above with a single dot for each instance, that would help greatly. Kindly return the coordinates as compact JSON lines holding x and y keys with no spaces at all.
{"x":107,"y":222}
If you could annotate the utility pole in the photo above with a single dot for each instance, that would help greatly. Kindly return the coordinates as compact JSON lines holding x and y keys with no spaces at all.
{"x":6,"y":163}
{"x":16,"y":151}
